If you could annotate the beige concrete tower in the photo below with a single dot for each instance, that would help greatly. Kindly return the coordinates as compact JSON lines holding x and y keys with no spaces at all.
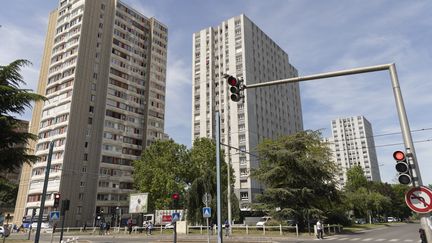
{"x":238,"y":47}
{"x":105,"y":84}
{"x":352,"y":143}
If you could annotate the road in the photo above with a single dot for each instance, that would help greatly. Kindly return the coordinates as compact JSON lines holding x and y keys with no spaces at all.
{"x":403,"y":233}
{"x":400,"y":233}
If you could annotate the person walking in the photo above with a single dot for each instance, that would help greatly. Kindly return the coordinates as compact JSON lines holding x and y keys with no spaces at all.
{"x":149,"y":228}
{"x":319,"y":227}
{"x":227,"y":226}
{"x":129,"y":225}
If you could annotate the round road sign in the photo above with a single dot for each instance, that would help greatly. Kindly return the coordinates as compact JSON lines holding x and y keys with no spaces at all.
{"x":419,"y":199}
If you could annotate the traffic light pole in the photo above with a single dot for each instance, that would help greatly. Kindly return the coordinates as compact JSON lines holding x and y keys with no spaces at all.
{"x":218,"y":180}
{"x":403,"y":120}
{"x":42,"y":204}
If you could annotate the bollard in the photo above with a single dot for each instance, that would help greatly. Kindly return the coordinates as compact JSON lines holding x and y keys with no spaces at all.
{"x":280,"y":229}
{"x":247,"y":230}
{"x":297,"y":233}
{"x":264,"y":229}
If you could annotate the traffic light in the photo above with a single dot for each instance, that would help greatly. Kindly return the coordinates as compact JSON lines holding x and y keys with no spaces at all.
{"x":176,"y":198}
{"x":402,"y":167}
{"x":56,"y":200}
{"x":64,"y":206}
{"x":235,"y":89}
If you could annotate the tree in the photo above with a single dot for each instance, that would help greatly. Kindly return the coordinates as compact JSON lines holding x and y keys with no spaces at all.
{"x":162,"y":171}
{"x":14,"y":100}
{"x":203,"y":171}
{"x":8,"y":193}
{"x":366,"y":198}
{"x":355,"y":179}
{"x":298,"y":174}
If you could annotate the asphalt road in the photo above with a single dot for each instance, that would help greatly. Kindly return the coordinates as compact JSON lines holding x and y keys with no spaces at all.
{"x":403,"y":233}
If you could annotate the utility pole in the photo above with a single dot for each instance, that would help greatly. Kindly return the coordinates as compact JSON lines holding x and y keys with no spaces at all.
{"x":218,"y":180}
{"x":45,"y":186}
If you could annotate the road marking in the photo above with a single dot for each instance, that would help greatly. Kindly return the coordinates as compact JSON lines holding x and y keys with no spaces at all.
{"x":355,"y":239}
{"x":408,"y":240}
{"x":380,"y":240}
{"x":393,"y":240}
{"x":368,"y":239}
{"x":343,"y":239}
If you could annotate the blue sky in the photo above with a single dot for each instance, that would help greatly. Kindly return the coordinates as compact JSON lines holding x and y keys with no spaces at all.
{"x":319,"y":36}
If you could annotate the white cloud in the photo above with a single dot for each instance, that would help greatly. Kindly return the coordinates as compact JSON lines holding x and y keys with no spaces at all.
{"x":178,"y":93}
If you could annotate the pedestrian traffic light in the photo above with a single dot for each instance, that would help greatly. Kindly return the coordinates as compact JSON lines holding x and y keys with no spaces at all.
{"x":235,"y":89}
{"x":56,"y":200}
{"x":402,"y":167}
{"x":175,"y":197}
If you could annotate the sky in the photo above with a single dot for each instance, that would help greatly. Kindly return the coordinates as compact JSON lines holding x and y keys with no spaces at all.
{"x":319,"y":36}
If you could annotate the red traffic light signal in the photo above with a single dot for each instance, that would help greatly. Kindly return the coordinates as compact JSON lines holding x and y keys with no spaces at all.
{"x":399,"y":155}
{"x":175,"y":196}
{"x":232,"y":81}
{"x":235,"y":88}
{"x":402,"y":167}
{"x":56,"y":200}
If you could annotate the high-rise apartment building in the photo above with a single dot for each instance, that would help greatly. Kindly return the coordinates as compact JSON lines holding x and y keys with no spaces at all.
{"x":238,"y":47}
{"x":103,"y":73}
{"x":352,"y":144}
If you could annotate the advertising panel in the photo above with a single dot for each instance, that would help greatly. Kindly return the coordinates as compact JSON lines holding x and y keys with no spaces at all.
{"x":138,"y":203}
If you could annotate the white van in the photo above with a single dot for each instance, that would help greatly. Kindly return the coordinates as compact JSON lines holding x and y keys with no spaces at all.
{"x":391,"y":219}
{"x":263,"y":221}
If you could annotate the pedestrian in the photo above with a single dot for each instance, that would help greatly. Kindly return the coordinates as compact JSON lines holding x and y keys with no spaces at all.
{"x":129,"y":225}
{"x":422,"y":236}
{"x":149,"y":228}
{"x":144,"y":227}
{"x":107,"y":228}
{"x":211,"y":227}
{"x":101,"y":228}
{"x":227,"y":226}
{"x":319,"y":227}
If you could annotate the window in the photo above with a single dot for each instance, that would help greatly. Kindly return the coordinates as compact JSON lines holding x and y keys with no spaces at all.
{"x":244,"y":196}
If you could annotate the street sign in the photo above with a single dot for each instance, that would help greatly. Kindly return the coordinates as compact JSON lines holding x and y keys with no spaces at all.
{"x":206,"y":212}
{"x":419,"y":199}
{"x":175,"y":217}
{"x":55,"y":215}
{"x":206,"y":198}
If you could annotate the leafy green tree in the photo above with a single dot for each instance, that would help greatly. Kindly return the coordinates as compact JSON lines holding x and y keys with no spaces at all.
{"x":355,"y":179}
{"x":8,"y":192}
{"x":203,"y":171}
{"x":298,"y":174}
{"x":399,"y":207}
{"x":166,"y":167}
{"x":367,"y":198}
{"x":162,"y":171}
{"x":14,"y":100}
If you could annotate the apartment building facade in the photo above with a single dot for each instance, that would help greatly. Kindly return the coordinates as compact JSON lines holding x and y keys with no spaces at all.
{"x":238,"y":47}
{"x":103,"y":72}
{"x":352,"y":144}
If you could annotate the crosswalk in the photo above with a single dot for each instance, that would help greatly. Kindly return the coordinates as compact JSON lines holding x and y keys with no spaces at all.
{"x":356,"y":239}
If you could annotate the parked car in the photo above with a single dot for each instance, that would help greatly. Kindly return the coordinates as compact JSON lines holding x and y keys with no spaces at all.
{"x":263,"y":221}
{"x":291,"y":222}
{"x":44,"y":225}
{"x":360,"y":221}
{"x":4,"y":232}
{"x":169,"y":226}
{"x":391,"y":219}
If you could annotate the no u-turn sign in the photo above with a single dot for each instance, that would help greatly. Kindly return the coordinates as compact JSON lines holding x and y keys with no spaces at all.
{"x":419,"y":199}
